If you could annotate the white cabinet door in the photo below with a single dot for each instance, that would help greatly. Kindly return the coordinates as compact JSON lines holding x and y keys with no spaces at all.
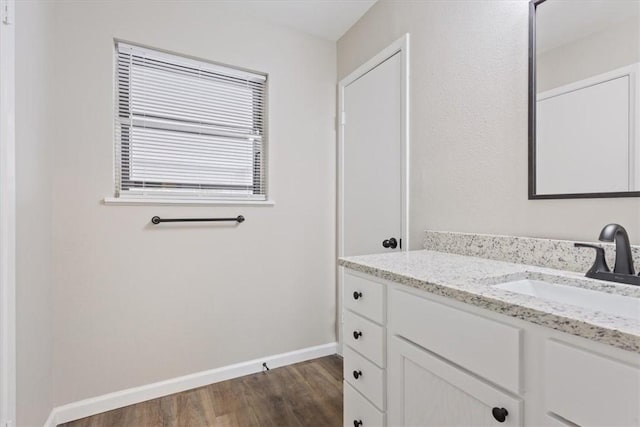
{"x":424,"y":390}
{"x":590,"y":389}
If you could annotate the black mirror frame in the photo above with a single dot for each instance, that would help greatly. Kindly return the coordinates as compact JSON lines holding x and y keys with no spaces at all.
{"x":533,"y":4}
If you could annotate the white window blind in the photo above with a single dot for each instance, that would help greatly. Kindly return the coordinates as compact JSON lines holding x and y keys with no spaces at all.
{"x":187,"y":128}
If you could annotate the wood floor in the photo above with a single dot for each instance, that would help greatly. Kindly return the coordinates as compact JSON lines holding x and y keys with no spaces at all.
{"x":304,"y":394}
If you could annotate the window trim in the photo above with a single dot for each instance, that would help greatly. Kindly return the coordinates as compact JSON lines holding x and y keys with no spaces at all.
{"x":137,"y":197}
{"x":138,"y":201}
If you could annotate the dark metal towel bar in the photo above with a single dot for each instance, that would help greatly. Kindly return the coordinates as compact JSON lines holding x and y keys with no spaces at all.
{"x":157,"y":220}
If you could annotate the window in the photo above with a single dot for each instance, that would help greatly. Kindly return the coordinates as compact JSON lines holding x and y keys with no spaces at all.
{"x":187,"y":129}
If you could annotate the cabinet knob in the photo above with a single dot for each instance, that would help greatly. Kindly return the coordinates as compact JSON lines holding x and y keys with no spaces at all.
{"x":500,"y":414}
{"x":357,"y":295}
{"x":390,"y":243}
{"x":357,"y":423}
{"x":357,"y":374}
{"x":357,"y":334}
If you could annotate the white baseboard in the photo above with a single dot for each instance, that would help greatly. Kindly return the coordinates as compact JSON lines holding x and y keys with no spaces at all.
{"x":51,"y":420}
{"x":95,"y":405}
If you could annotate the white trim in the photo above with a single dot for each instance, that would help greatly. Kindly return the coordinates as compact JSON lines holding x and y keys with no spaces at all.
{"x":184,"y":202}
{"x":96,"y":405}
{"x":51,"y":420}
{"x":7,"y":218}
{"x":401,"y":47}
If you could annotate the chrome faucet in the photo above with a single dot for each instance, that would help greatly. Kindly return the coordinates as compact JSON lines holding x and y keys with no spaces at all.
{"x":623,"y":271}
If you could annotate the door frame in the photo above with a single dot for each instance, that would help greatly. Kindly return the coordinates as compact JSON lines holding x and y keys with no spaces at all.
{"x":7,"y":216}
{"x":400,"y":47}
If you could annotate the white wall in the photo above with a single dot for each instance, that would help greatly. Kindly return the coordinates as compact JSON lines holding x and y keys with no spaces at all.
{"x":33,"y":211}
{"x":606,"y":50}
{"x":469,"y":121}
{"x":136,"y":303}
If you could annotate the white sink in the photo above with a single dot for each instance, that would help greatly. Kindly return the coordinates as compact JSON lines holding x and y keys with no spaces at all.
{"x":618,"y":305}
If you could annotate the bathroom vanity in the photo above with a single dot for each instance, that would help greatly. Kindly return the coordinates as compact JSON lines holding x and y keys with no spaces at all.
{"x":434,"y":338}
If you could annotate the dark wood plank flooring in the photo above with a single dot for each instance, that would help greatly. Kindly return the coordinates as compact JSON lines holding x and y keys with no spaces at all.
{"x":304,"y":394}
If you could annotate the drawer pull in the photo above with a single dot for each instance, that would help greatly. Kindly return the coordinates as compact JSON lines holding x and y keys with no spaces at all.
{"x":357,"y":374}
{"x":357,"y":334}
{"x":500,"y":414}
{"x":357,"y":295}
{"x":357,"y":423}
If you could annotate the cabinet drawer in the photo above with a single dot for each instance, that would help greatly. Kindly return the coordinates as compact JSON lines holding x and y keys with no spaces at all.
{"x":370,"y":378}
{"x":364,"y":297}
{"x":357,"y":408}
{"x":589,"y":389}
{"x":483,"y":346}
{"x":364,"y":336}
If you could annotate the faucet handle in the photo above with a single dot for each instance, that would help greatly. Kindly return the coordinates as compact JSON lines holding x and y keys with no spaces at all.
{"x":587,"y":245}
{"x":600,"y":263}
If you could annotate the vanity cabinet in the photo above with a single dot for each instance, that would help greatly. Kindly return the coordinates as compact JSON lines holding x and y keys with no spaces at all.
{"x":427,"y":360}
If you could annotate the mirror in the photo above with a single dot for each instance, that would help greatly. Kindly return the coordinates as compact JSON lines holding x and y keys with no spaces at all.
{"x":584,"y":98}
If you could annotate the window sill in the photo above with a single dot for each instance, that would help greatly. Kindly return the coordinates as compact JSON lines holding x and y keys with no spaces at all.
{"x":130,"y":201}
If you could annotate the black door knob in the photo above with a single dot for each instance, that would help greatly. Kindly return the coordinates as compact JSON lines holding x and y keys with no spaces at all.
{"x":357,"y":423}
{"x":357,"y":374}
{"x":357,"y":334}
{"x":357,"y":295}
{"x":390,"y":243}
{"x":500,"y":414}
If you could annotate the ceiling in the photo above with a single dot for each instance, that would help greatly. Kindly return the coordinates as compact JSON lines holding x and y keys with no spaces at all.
{"x":559,"y":22}
{"x":328,"y":19}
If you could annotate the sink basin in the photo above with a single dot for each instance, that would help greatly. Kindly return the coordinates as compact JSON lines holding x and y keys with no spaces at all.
{"x":617,"y":305}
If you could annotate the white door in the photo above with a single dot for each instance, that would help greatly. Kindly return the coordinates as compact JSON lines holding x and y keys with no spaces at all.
{"x":426,"y":391}
{"x":575,"y":127}
{"x":372,"y":161}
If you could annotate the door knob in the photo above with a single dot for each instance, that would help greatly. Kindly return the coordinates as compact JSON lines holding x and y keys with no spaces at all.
{"x":390,"y":243}
{"x":357,"y":374}
{"x":357,"y":423}
{"x":357,"y":334}
{"x":500,"y":414}
{"x":357,"y":295}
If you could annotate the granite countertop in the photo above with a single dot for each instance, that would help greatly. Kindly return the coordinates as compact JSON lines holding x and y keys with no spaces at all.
{"x":470,"y":279}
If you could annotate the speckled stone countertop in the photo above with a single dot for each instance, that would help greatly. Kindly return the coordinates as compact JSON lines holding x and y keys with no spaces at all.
{"x":470,"y":279}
